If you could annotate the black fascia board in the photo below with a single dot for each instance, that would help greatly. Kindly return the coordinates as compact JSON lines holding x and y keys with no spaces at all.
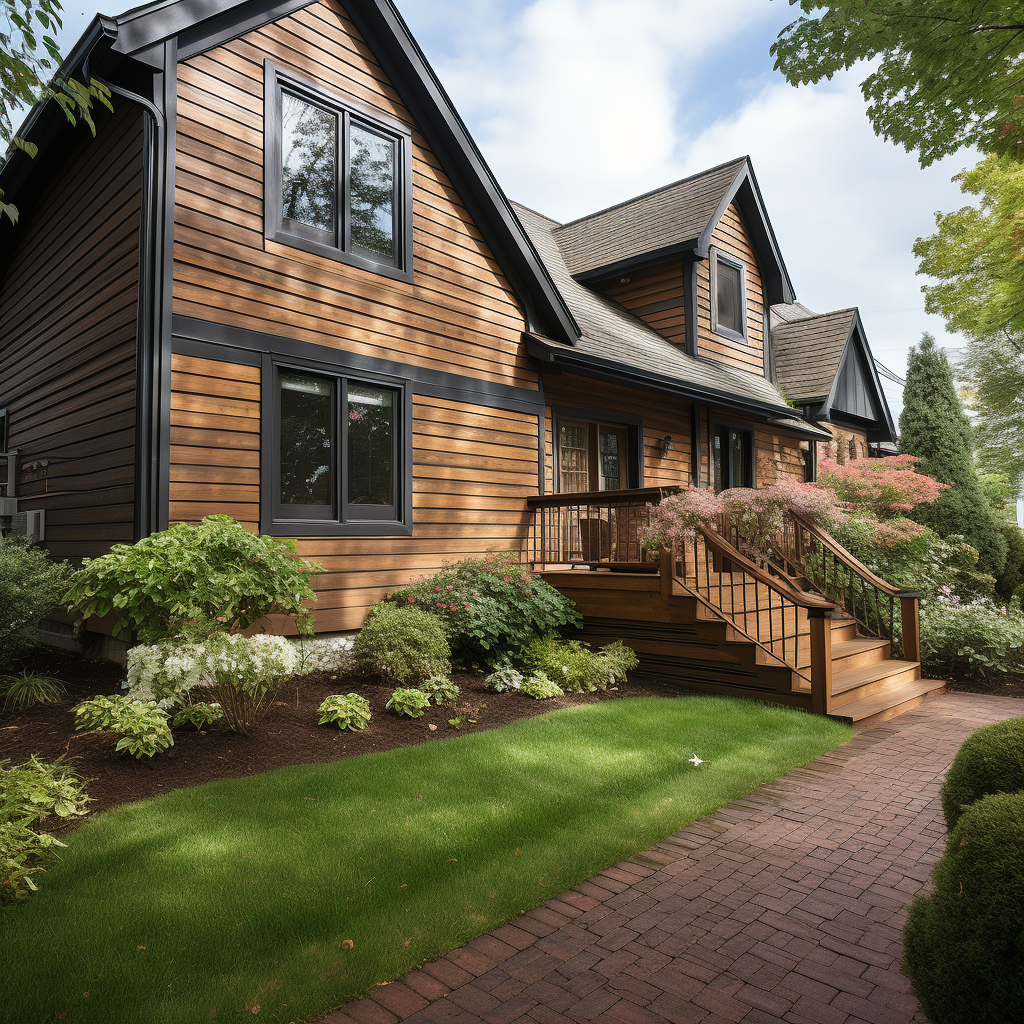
{"x":686,"y":250}
{"x":141,"y":27}
{"x":551,"y":354}
{"x":407,"y":68}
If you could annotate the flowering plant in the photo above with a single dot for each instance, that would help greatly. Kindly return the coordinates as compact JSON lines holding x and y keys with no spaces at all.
{"x":884,"y":487}
{"x":676,"y":518}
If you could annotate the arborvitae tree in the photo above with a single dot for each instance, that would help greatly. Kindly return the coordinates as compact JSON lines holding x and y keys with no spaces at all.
{"x":934,"y":427}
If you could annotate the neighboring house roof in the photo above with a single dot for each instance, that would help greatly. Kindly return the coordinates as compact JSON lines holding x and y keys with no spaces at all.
{"x":808,"y":350}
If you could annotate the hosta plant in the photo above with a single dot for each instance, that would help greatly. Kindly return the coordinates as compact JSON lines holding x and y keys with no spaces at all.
{"x":346,"y":711}
{"x":141,"y":726}
{"x":440,"y":689}
{"x":199,"y":716}
{"x":36,"y":789}
{"x":504,"y":678}
{"x":574,"y":666}
{"x":23,"y":853}
{"x":539,"y":687}
{"x":405,"y":701}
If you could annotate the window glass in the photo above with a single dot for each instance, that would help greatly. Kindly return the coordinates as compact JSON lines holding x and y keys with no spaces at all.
{"x":309,"y":150}
{"x":370,"y":446}
{"x":612,"y":449}
{"x":371,"y":194}
{"x":307,"y":435}
{"x":574,"y":457}
{"x":729,"y":297}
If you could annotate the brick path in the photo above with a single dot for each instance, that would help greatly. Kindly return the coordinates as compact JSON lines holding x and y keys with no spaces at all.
{"x":786,"y":905}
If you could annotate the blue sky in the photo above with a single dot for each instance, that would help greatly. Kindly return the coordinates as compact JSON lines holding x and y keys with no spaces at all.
{"x":579,"y":104}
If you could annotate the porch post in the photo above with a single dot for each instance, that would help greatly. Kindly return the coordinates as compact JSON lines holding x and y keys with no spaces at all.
{"x":820,"y":620}
{"x":910,"y":615}
{"x":666,"y":570}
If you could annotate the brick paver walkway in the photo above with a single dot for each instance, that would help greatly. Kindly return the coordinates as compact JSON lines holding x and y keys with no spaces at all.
{"x":786,"y":905}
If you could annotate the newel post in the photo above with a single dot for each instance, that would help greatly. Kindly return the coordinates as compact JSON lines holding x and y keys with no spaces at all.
{"x":666,"y":569}
{"x":820,"y":620}
{"x":910,"y":616}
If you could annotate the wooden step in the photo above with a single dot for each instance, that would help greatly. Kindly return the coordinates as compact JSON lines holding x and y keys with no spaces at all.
{"x":870,"y":711}
{"x":858,"y":652}
{"x":856,"y":683}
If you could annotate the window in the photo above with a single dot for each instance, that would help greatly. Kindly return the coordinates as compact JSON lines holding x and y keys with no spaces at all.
{"x":728,"y":296}
{"x":732,"y":458}
{"x":592,"y":456}
{"x":336,"y":177}
{"x":338,"y":453}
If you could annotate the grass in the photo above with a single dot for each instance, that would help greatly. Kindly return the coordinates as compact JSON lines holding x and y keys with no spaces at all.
{"x":210,"y":902}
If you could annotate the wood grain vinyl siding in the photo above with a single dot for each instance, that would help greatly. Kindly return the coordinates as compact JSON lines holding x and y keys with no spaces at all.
{"x":661,"y":416}
{"x":472,"y":469}
{"x":732,"y":238}
{"x":68,"y":309}
{"x":656,"y":297}
{"x":459,"y":314}
{"x":778,"y":457}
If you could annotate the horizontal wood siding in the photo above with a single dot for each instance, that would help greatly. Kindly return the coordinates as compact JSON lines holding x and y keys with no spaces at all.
{"x":473,"y":467}
{"x":731,"y":237}
{"x":778,"y":457}
{"x":656,"y":297}
{"x":68,"y":307}
{"x":842,"y":436}
{"x":458,"y":315}
{"x":661,"y":416}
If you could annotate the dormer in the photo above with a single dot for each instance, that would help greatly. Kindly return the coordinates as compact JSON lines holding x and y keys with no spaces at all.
{"x":696,"y":260}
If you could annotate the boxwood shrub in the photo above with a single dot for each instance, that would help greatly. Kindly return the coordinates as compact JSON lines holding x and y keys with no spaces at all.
{"x":964,"y":944}
{"x":403,"y":645}
{"x":991,"y":760}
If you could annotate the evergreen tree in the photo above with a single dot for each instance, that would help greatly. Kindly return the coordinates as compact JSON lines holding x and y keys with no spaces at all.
{"x":934,"y":427}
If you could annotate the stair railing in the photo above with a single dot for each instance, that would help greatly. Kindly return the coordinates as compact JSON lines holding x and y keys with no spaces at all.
{"x":765,"y":609}
{"x":805,"y":551}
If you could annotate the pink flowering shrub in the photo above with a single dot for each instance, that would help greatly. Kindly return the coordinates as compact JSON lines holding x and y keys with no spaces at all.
{"x":884,"y":487}
{"x":676,"y":518}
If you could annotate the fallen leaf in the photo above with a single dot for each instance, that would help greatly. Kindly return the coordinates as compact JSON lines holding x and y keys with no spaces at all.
{"x":403,"y":885}
{"x":452,"y":860}
{"x":407,"y":941}
{"x":494,"y":895}
{"x":140,"y":947}
{"x":516,"y":854}
{"x":432,"y":727}
{"x":347,"y":944}
{"x":255,"y":1008}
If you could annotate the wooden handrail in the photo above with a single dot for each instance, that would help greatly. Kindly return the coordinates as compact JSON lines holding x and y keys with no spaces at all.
{"x":627,"y":496}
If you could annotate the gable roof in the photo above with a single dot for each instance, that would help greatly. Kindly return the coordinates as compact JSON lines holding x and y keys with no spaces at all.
{"x":675,"y":219}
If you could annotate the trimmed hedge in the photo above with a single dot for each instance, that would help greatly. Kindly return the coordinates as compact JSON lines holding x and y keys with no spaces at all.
{"x":964,"y":945}
{"x":991,"y":760}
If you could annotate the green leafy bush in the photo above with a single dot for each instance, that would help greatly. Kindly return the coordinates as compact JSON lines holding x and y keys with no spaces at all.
{"x":408,"y":702}
{"x":504,"y":678}
{"x":207,"y":576}
{"x":23,"y":853}
{"x":574,"y":666}
{"x":348,"y":711}
{"x":29,"y":688}
{"x":1011,"y":579}
{"x":991,"y":760}
{"x":963,"y":945}
{"x":30,"y":586}
{"x":440,"y":689}
{"x":977,"y":636}
{"x":489,"y":606}
{"x":142,"y":727}
{"x":199,"y":716}
{"x":406,"y":645}
{"x":539,"y":687}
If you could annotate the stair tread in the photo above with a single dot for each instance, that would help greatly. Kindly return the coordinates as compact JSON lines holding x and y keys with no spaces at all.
{"x":885,"y":699}
{"x":869,"y":673}
{"x":846,"y":648}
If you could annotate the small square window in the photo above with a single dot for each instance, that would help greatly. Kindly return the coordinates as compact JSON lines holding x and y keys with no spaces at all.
{"x":337,"y":177}
{"x":728,"y":292}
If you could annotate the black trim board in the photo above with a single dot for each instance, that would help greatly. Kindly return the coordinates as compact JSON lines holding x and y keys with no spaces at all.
{"x":634,"y":439}
{"x":234,"y":344}
{"x":234,"y":23}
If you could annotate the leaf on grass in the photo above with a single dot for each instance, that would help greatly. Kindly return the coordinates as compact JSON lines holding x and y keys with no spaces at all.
{"x":347,"y":944}
{"x":452,"y":860}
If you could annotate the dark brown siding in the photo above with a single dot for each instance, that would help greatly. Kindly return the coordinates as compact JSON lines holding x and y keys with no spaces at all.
{"x":656,"y":296}
{"x":68,"y":304}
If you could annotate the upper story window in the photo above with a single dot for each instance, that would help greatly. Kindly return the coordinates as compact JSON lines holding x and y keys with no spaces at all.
{"x":337,"y":177}
{"x":728,"y":296}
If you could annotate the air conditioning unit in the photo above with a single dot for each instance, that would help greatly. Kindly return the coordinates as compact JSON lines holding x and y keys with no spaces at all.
{"x":30,"y":524}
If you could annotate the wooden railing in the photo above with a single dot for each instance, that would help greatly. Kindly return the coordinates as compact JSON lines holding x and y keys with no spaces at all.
{"x":594,"y":528}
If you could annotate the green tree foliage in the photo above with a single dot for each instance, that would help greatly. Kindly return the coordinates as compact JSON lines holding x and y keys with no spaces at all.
{"x":1011,"y":579}
{"x":946,"y":73}
{"x":933,"y":427}
{"x":28,"y":57}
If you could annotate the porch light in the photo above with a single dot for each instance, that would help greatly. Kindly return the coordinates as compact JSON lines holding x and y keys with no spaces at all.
{"x":665,"y":444}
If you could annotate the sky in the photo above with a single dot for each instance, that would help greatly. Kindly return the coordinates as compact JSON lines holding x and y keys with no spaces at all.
{"x":581,"y":104}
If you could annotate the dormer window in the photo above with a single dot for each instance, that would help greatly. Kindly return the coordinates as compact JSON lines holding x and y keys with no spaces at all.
{"x":728,"y":296}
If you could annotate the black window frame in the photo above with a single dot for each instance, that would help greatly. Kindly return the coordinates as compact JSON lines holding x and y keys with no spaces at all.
{"x":278,"y":519}
{"x":748,"y":471}
{"x":717,"y":257}
{"x":346,"y":109}
{"x":634,"y":453}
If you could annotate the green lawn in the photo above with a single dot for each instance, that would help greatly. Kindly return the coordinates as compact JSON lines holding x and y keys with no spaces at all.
{"x":204,"y":903}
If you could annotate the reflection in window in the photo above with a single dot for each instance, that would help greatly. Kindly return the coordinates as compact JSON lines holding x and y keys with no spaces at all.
{"x":371,"y":194}
{"x":729,"y":295}
{"x":307,"y":434}
{"x":309,"y":151}
{"x":370,"y":446}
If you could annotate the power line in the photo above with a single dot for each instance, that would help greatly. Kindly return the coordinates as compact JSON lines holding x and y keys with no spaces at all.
{"x":884,"y":371}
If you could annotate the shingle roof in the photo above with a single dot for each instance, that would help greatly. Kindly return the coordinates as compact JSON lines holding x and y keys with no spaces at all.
{"x":611,"y":333}
{"x":808,"y":349}
{"x":677,"y":213}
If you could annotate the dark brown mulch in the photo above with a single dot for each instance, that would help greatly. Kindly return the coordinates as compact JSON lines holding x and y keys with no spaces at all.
{"x":288,"y":735}
{"x":1008,"y":684}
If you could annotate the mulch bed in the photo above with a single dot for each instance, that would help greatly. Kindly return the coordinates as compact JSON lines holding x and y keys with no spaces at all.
{"x":288,"y":735}
{"x":1008,"y":684}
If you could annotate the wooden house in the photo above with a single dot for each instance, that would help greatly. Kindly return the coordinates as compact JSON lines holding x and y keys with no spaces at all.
{"x":282,"y":283}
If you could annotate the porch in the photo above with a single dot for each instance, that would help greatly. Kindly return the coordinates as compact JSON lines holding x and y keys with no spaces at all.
{"x":805,"y":625}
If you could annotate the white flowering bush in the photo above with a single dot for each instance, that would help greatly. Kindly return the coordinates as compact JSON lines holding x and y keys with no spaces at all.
{"x":331,"y":655}
{"x":166,"y":672}
{"x":505,"y":678}
{"x":539,"y":687}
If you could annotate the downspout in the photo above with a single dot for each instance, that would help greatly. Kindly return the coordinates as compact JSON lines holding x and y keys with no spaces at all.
{"x":151,"y":252}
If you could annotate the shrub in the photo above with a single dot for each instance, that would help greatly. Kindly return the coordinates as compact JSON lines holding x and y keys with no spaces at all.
{"x":575,"y":667}
{"x":30,"y":586}
{"x":199,"y":716}
{"x":976,"y":636}
{"x":28,"y":688}
{"x":963,"y":945}
{"x":408,"y":702}
{"x":991,"y":760}
{"x":347,"y":712}
{"x":675,"y":519}
{"x":330,"y":655}
{"x":166,"y":671}
{"x":1011,"y":579}
{"x":503,"y":678}
{"x":212,"y":575}
{"x":539,"y":687}
{"x":886,"y":488}
{"x":142,"y":727}
{"x":440,"y":689}
{"x":489,"y":606}
{"x":406,"y":645}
